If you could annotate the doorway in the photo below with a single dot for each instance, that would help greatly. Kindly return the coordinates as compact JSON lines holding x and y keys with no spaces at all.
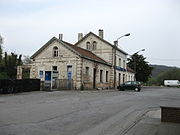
{"x":94,"y":78}
{"x":119,"y":78}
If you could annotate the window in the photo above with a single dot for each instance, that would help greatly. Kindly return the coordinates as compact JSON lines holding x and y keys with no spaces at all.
{"x":40,"y":74}
{"x":87,"y":70}
{"x":88,"y":45}
{"x":55,"y":52}
{"x":54,"y":68}
{"x":119,"y":62}
{"x":124,"y":64}
{"x":106,"y":76}
{"x":94,"y":45}
{"x":101,"y":75}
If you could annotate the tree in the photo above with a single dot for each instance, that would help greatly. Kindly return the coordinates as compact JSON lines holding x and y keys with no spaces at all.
{"x":26,"y":59}
{"x":1,"y":52}
{"x":140,"y":66}
{"x":8,"y":64}
{"x":172,"y":74}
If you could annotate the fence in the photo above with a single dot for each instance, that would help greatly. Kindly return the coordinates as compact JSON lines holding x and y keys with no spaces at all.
{"x":64,"y":84}
{"x":23,"y":85}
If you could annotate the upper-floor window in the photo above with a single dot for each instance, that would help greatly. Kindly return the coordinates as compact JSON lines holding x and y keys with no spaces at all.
{"x":54,"y":68}
{"x":88,"y":45}
{"x":94,"y":45}
{"x":119,"y":62}
{"x":124,"y":64}
{"x":55,"y":51}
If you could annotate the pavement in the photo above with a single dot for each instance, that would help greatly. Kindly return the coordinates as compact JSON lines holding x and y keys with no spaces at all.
{"x":150,"y":124}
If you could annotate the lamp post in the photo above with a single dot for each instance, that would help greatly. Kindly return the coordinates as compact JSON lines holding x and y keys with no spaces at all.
{"x":135,"y":61}
{"x":115,"y":48}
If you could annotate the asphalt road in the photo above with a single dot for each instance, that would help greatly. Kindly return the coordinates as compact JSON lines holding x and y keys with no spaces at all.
{"x":80,"y":112}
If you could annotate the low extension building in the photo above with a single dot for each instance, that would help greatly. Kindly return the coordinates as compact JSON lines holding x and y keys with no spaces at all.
{"x":90,"y":63}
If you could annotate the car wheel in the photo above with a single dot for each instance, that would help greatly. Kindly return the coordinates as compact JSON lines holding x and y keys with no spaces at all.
{"x":136,"y":89}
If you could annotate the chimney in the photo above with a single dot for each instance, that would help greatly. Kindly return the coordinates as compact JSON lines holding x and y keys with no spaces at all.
{"x":60,"y":36}
{"x":101,"y":33}
{"x":80,"y":36}
{"x":116,"y":43}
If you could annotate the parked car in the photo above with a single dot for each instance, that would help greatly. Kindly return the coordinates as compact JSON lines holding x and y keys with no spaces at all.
{"x":130,"y":85}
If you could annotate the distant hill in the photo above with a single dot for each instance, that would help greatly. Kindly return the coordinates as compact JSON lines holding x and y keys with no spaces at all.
{"x":157,"y":69}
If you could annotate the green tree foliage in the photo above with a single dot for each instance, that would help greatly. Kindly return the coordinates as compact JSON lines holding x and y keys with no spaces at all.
{"x":140,"y":66}
{"x":8,"y":65}
{"x":172,"y":74}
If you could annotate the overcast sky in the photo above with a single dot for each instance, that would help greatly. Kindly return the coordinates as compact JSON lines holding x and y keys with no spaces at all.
{"x":154,"y":25}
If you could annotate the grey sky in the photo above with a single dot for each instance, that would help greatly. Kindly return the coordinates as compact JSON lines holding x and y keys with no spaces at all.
{"x":154,"y":25}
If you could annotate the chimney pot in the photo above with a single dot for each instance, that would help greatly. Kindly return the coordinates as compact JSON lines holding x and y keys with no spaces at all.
{"x":116,"y":43}
{"x":101,"y":34}
{"x":60,"y":36}
{"x":80,"y":36}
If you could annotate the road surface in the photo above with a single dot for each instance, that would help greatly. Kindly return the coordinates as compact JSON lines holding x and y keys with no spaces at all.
{"x":105,"y":112}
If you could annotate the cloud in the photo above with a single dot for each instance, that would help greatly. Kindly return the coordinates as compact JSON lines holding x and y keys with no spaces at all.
{"x":153,"y":24}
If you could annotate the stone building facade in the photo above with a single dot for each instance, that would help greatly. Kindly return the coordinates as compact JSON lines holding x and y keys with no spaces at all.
{"x":90,"y":63}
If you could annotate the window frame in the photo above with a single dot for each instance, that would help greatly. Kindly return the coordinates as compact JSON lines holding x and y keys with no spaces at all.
{"x":55,"y":51}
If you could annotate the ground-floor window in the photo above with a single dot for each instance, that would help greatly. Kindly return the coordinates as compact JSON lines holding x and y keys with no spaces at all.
{"x":40,"y":74}
{"x":87,"y":70}
{"x":54,"y":68}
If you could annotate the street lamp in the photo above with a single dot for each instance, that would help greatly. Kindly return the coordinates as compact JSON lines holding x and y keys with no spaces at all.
{"x":128,"y":34}
{"x":135,"y":62}
{"x":139,"y":51}
{"x":115,"y":47}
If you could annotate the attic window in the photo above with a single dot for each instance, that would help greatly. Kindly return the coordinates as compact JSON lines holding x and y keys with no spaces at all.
{"x":94,"y":45}
{"x":55,"y":51}
{"x":88,"y":45}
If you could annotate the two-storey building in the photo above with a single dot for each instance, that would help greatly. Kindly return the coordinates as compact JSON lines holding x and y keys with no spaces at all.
{"x":90,"y":63}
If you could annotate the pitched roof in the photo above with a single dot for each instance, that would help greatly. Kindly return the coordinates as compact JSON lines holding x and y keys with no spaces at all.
{"x":86,"y":54}
{"x":80,"y":51}
{"x":43,"y":47}
{"x":130,"y":70}
{"x":101,"y":40}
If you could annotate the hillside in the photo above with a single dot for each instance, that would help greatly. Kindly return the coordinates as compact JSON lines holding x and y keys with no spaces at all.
{"x":157,"y":69}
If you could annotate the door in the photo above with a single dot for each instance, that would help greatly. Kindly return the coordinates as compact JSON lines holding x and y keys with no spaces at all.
{"x":69,"y":76}
{"x":47,"y":75}
{"x":119,"y":79}
{"x":94,"y":78}
{"x":47,"y":83}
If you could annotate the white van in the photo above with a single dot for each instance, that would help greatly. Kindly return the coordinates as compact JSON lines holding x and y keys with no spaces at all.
{"x":171,"y":83}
